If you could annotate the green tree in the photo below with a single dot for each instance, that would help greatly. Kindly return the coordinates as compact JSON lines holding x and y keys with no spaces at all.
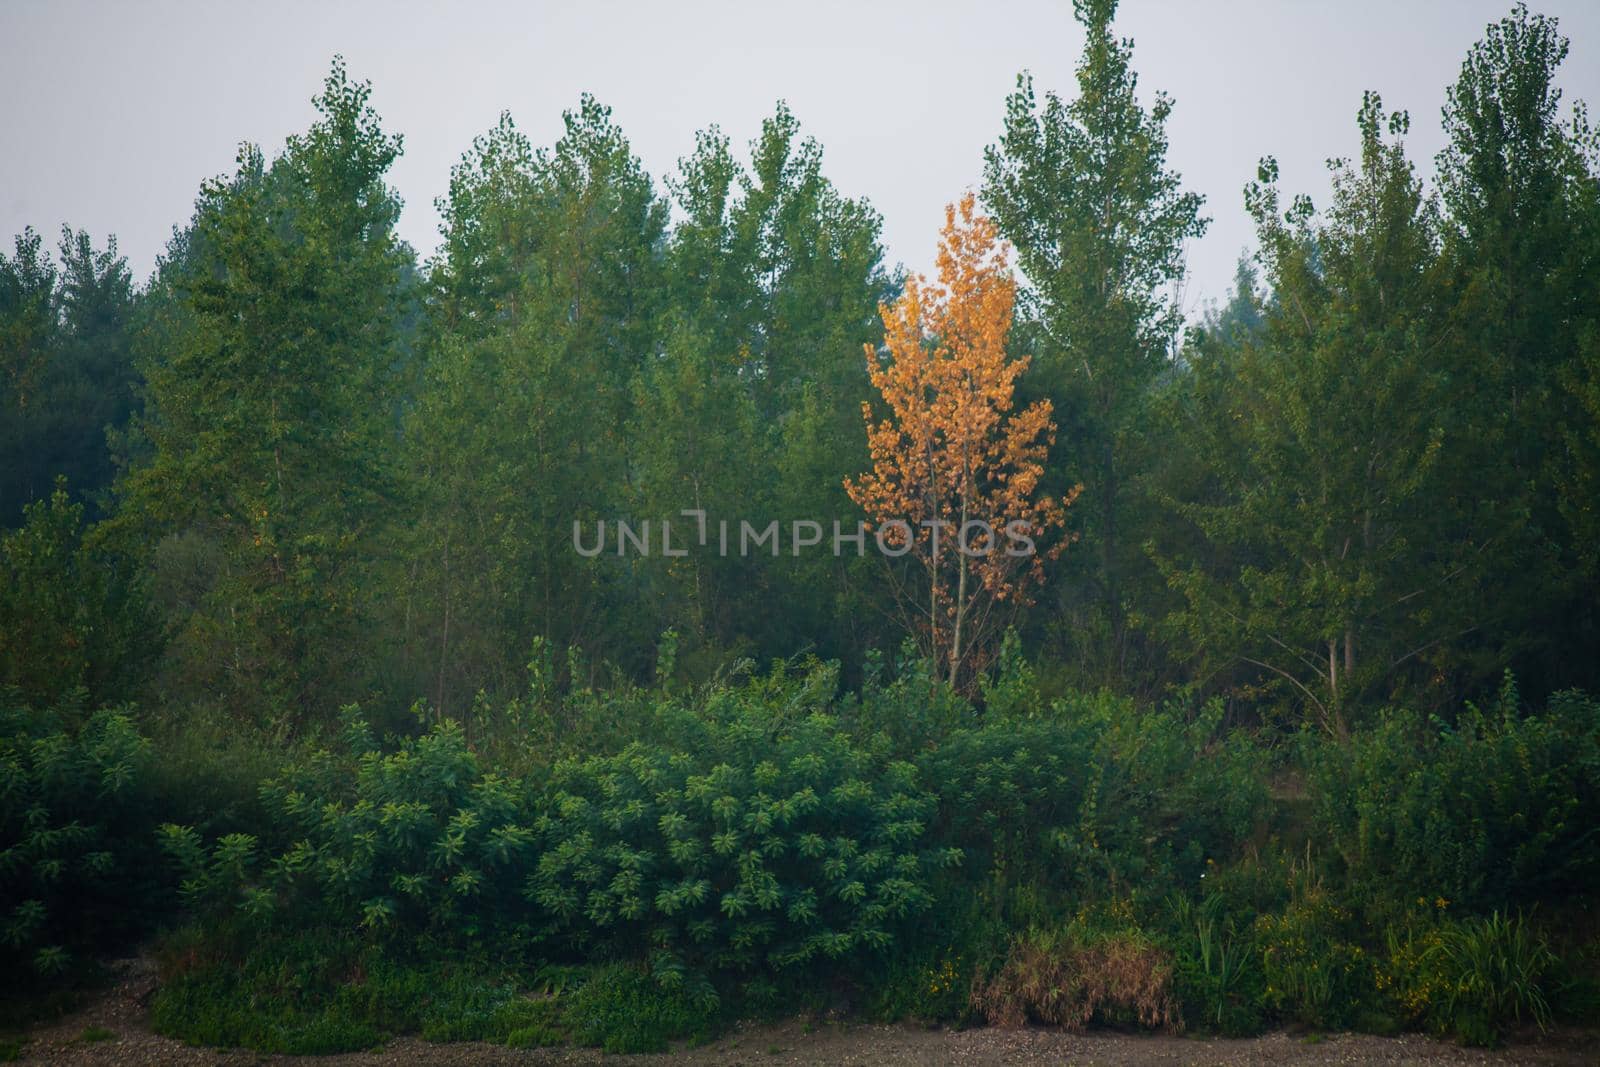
{"x":777,"y":276}
{"x":30,"y":302}
{"x":543,"y":310}
{"x":91,"y":387}
{"x":268,"y":421}
{"x":1099,"y":221}
{"x":695,"y":432}
{"x":1337,"y":565}
{"x":70,"y":613}
{"x":1520,"y":185}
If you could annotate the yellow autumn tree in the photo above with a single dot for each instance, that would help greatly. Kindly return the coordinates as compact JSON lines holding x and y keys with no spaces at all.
{"x":955,"y":470}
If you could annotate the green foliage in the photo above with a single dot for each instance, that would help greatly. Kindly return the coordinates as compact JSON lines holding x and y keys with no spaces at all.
{"x":1325,"y":586}
{"x":210,"y":770}
{"x":1096,"y":796}
{"x":328,"y":993}
{"x":270,"y":367}
{"x":66,"y":367}
{"x":545,"y":297}
{"x":314,"y":995}
{"x":1083,"y":189}
{"x":929,"y":983}
{"x":70,"y":613}
{"x":905,"y":704}
{"x":1518,"y":179}
{"x":1316,"y":972}
{"x":1369,"y":481}
{"x":1499,"y":808}
{"x":1476,"y":979}
{"x":624,"y":1008}
{"x":75,"y":821}
{"x":763,"y":840}
{"x":418,"y":840}
{"x":1217,"y":966}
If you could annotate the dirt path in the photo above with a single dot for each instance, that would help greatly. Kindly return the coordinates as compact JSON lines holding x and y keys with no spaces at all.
{"x":113,"y":1029}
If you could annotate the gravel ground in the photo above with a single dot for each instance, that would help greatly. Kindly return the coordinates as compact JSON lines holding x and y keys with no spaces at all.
{"x":121,"y":1010}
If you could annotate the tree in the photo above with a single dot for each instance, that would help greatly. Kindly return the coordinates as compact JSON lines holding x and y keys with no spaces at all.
{"x":66,"y":367}
{"x":1339,"y":566}
{"x":774,"y":264}
{"x":699,"y":446}
{"x":270,"y":415}
{"x":777,"y":277}
{"x":1522,"y":189}
{"x":70,"y":613}
{"x":543,"y":311}
{"x":1241,"y":315}
{"x":950,"y":454}
{"x":1099,"y":221}
{"x":91,"y":388}
{"x":30,"y":303}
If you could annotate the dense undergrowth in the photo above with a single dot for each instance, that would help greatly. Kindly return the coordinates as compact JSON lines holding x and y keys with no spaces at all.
{"x":766,"y":845}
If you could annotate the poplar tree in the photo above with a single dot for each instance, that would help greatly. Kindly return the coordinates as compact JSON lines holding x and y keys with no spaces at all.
{"x":955,"y":470}
{"x":269,"y":422}
{"x":1083,"y":190}
{"x":1338,"y":567}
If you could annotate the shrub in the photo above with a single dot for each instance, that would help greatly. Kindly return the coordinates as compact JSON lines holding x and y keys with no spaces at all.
{"x":1009,"y":792}
{"x":1171,"y":791}
{"x":319,"y":992}
{"x":752,"y":841}
{"x":210,"y":770}
{"x":421,"y":840}
{"x":1096,"y":798}
{"x":1317,"y":974}
{"x":761,"y":842}
{"x":905,"y":707}
{"x":623,"y":1008}
{"x":75,"y":831}
{"x":929,"y":978}
{"x":1497,"y":809}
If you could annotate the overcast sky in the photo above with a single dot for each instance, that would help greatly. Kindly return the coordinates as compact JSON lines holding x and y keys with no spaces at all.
{"x":115,"y":112}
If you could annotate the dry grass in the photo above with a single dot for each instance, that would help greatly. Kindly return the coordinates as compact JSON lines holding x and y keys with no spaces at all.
{"x":1069,"y":980}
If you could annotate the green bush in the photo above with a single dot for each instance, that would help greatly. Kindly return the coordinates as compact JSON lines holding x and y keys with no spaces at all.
{"x":904,"y":707}
{"x":208,"y":769}
{"x":624,"y":1008}
{"x":769,"y":843}
{"x":421,"y":840}
{"x":1491,"y":974}
{"x":1094,"y":798}
{"x":762,"y":841}
{"x":1498,"y":809}
{"x":1316,"y":971}
{"x":754,"y":842}
{"x":75,"y":834}
{"x":929,"y":978}
{"x":318,"y":992}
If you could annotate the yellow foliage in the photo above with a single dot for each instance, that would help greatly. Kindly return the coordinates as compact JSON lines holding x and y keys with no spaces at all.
{"x":951,"y":452}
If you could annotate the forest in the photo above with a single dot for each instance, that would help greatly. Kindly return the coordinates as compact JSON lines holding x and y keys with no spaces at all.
{"x":651,"y":610}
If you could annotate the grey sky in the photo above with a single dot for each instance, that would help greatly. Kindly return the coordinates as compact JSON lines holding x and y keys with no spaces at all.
{"x":116,"y":111}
